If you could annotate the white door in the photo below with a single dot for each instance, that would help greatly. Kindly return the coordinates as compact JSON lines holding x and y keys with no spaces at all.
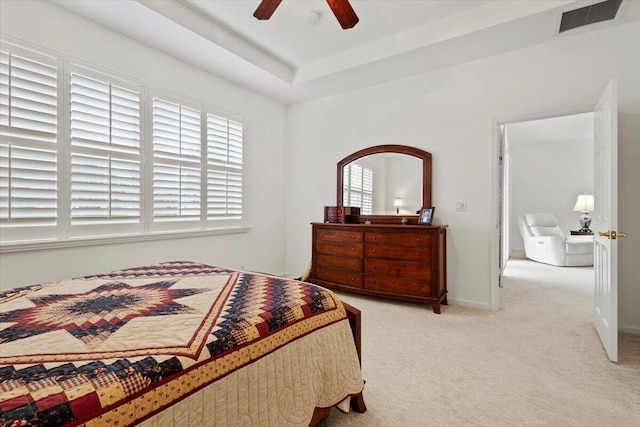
{"x":605,"y":316}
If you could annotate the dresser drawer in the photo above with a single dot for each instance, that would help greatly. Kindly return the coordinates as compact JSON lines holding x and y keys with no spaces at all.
{"x":339,"y":277}
{"x":338,"y":248}
{"x":403,"y":239}
{"x":398,"y":269}
{"x":418,"y":253}
{"x":346,"y":263}
{"x":339,"y":236}
{"x":397,"y":285}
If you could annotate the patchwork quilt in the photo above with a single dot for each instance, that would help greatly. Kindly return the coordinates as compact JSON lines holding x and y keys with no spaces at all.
{"x":118,"y":348}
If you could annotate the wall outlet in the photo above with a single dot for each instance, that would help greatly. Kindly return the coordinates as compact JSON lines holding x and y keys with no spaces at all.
{"x":461,"y":206}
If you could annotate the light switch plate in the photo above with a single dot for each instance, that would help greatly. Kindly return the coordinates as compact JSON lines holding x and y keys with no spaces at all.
{"x":461,"y":206}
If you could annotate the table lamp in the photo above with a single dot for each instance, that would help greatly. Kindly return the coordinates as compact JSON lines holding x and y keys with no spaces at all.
{"x":584,"y":204}
{"x":397,"y":203}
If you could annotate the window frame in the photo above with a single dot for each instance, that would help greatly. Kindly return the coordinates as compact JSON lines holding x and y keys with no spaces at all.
{"x":13,"y":232}
{"x":100,"y":228}
{"x":65,"y":233}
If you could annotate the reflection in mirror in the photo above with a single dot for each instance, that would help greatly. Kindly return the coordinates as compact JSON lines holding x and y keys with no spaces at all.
{"x":384,"y":184}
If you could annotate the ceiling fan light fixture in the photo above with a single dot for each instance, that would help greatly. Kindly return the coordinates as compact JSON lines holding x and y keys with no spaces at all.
{"x":313,"y":17}
{"x":342,"y":10}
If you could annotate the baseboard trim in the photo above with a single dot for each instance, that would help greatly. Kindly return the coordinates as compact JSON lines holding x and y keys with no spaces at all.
{"x":517,"y":253}
{"x":629,"y":329}
{"x":466,"y":303}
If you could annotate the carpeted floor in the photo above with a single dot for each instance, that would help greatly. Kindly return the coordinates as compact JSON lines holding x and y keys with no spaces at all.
{"x":535,"y":362}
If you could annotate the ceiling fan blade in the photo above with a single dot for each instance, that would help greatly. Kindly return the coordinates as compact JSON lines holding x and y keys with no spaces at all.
{"x":344,"y":13}
{"x":266,"y":9}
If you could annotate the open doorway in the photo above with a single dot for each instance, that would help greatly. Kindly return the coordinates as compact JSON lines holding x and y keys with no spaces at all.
{"x":545,"y":165}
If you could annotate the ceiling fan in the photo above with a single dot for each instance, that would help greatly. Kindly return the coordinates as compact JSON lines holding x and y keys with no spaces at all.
{"x":341,"y":9}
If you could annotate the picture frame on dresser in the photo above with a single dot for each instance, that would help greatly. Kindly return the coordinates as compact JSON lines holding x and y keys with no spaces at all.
{"x":426,"y":215}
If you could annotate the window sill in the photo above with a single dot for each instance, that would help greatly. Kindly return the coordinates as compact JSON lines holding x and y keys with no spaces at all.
{"x":26,"y":246}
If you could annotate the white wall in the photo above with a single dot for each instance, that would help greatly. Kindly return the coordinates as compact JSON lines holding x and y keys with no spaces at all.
{"x":454,"y":114}
{"x":404,"y":180}
{"x":548,"y":177}
{"x":48,"y":26}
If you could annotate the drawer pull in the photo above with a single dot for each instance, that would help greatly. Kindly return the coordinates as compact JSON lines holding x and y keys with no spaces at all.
{"x":374,"y":251}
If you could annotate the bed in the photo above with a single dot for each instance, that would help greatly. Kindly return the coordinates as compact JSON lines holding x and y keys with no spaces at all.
{"x":176,"y":344}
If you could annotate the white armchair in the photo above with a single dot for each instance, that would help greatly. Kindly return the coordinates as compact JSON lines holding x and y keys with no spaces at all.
{"x":545,"y":242}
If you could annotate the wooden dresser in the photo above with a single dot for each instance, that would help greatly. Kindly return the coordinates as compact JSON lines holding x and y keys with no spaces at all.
{"x":406,"y":262}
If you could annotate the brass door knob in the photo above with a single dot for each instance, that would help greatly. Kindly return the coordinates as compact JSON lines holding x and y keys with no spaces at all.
{"x":612,"y":234}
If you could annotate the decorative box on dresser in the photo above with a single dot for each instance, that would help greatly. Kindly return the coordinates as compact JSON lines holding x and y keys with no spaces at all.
{"x":399,"y":261}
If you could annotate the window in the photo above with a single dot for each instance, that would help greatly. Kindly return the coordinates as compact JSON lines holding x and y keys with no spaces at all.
{"x":86,"y":154}
{"x":224,"y":167}
{"x":28,"y":140}
{"x":176,"y":162}
{"x":105,"y":152}
{"x":358,"y":187}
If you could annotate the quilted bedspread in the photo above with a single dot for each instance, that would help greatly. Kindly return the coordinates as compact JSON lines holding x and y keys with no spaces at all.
{"x":120,"y":348}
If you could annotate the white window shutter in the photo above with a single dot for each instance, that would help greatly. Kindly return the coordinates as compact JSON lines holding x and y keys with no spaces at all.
{"x":357,"y":187}
{"x":367,"y":191}
{"x":105,"y":152}
{"x":28,"y":188}
{"x":104,"y":188}
{"x":28,"y":131}
{"x":176,"y":162}
{"x":224,"y":167}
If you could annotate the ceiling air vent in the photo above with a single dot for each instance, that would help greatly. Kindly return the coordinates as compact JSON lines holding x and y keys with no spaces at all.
{"x":597,"y":12}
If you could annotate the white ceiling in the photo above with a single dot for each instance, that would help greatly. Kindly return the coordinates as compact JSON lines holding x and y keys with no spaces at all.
{"x":289,"y":60}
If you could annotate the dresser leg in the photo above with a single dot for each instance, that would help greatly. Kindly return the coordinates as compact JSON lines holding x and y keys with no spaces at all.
{"x":436,"y":306}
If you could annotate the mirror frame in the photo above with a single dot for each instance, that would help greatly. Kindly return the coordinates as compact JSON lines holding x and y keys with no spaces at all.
{"x":399,"y":149}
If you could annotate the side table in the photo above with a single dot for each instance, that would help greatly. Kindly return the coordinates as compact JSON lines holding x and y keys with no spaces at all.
{"x":581,"y":233}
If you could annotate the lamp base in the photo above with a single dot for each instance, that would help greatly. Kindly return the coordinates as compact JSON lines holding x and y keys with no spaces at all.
{"x":585,"y":222}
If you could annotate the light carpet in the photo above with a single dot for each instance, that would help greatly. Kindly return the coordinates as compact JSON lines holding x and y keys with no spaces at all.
{"x":536,"y":362}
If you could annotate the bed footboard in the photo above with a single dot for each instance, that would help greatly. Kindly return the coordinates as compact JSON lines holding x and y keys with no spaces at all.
{"x":357,"y":401}
{"x":355,"y":319}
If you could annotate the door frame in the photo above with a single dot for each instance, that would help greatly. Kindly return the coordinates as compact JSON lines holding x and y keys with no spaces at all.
{"x":496,"y":190}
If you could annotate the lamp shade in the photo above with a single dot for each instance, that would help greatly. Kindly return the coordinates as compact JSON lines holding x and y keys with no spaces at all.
{"x":397,"y":203}
{"x":584,"y":203}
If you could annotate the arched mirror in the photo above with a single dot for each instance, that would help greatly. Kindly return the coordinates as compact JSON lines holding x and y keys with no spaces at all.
{"x":385,"y":181}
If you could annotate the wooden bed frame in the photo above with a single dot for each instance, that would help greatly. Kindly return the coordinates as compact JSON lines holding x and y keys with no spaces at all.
{"x":357,"y":401}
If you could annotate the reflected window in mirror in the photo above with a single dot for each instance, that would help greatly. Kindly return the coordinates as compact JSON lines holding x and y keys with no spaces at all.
{"x":374,"y":183}
{"x":357,"y":189}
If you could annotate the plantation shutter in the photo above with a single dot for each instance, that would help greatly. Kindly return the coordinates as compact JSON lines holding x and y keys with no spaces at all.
{"x":105,"y":152}
{"x":367,"y":191}
{"x":28,"y":137}
{"x":224,"y":167}
{"x":176,"y":162}
{"x":346,"y":192}
{"x":357,"y":187}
